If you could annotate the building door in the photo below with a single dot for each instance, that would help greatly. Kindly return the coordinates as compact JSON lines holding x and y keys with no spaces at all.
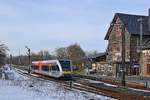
{"x":135,"y":70}
{"x":148,"y":69}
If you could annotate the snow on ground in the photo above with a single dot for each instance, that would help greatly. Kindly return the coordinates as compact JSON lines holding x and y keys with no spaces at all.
{"x":22,"y":88}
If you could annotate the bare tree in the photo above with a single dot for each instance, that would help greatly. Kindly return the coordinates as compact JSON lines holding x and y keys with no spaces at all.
{"x":61,"y":53}
{"x":76,"y":54}
{"x":45,"y":55}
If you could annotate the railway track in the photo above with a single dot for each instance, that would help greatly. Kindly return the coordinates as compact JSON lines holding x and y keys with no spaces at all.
{"x":68,"y":84}
{"x":100,"y":88}
{"x":115,"y":81}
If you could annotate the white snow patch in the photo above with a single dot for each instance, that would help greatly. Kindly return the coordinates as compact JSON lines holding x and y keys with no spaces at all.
{"x":9,"y":73}
{"x":110,"y":85}
{"x":39,"y":90}
{"x":25,"y":88}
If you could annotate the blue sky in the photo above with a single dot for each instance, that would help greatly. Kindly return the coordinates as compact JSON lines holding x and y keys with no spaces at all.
{"x":49,"y":24}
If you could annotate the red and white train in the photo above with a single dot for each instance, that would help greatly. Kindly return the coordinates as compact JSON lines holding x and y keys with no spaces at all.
{"x":53,"y":68}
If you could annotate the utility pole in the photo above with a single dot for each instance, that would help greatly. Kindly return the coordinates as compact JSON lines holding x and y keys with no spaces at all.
{"x":141,"y":43}
{"x":123,"y":83}
{"x":19,"y":60}
{"x":29,"y":57}
{"x":10,"y":59}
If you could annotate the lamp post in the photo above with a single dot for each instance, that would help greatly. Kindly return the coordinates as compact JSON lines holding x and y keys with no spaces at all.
{"x":90,"y":64}
{"x":10,"y":59}
{"x":29,"y":57}
{"x":122,"y":69}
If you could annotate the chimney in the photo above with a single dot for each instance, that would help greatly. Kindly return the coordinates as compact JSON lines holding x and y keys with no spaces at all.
{"x":149,"y":19}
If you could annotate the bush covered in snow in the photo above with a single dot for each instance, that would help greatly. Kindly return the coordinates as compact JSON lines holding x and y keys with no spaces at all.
{"x":8,"y":73}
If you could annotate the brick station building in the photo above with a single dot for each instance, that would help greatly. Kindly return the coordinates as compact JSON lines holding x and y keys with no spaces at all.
{"x":131,"y":27}
{"x":146,"y":60}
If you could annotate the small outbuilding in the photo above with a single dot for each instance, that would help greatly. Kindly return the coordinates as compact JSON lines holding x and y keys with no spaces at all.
{"x":99,"y":65}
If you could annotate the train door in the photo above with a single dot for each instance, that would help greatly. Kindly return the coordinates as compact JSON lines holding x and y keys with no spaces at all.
{"x":40,"y":68}
{"x":45,"y":69}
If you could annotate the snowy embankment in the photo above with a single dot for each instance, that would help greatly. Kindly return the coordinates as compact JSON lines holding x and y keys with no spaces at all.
{"x":23,"y":88}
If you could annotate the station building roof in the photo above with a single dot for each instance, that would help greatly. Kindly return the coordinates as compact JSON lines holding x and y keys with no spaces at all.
{"x":131,"y":23}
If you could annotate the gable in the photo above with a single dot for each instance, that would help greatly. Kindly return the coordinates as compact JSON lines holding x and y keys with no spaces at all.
{"x":131,"y":24}
{"x":115,"y":20}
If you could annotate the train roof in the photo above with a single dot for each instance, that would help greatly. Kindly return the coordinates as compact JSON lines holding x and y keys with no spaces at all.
{"x":44,"y":61}
{"x":49,"y":61}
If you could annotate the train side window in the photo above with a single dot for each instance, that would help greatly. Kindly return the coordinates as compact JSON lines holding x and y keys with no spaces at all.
{"x":45,"y":68}
{"x":34,"y":67}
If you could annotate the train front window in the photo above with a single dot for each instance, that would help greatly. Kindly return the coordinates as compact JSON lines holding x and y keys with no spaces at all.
{"x":66,"y":66}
